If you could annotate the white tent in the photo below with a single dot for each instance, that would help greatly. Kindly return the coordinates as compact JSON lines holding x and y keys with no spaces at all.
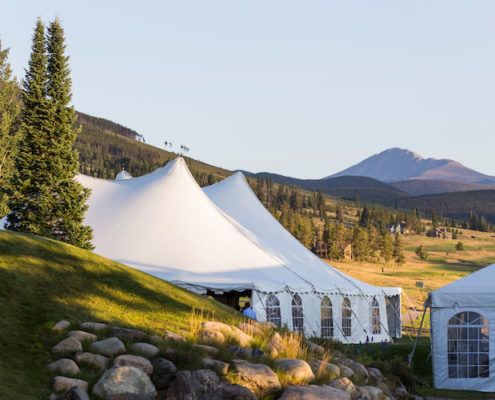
{"x":164,"y":224}
{"x":123,"y":175}
{"x":462,"y":320}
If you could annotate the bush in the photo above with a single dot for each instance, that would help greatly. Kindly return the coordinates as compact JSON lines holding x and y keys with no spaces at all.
{"x":459,"y":246}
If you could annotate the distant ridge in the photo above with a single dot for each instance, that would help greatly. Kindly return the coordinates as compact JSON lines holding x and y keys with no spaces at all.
{"x":397,"y":164}
{"x":418,"y":187}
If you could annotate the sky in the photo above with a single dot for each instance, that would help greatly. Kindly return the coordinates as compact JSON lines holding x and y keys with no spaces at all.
{"x":300,"y":88}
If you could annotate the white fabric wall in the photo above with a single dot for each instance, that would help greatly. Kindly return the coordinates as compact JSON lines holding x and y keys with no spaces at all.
{"x":439,"y":318}
{"x":360,"y":322}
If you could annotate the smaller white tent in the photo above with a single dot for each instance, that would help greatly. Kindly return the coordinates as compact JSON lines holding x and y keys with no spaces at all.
{"x":462,"y":330}
{"x":123,"y":175}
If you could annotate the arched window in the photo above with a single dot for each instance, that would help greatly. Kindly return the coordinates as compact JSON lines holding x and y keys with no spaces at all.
{"x":326,"y":318}
{"x":297,"y":314}
{"x":273,"y":311}
{"x":468,"y":346}
{"x":375,"y":317}
{"x":346,"y":317}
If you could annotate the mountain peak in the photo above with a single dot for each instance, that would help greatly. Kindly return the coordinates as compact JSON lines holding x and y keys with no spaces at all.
{"x":397,"y":164}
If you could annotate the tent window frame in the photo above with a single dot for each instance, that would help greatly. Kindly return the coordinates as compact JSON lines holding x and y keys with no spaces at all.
{"x":273,"y":310}
{"x":346,"y":317}
{"x":297,"y":314}
{"x":326,"y":318}
{"x":376,"y":327}
{"x":468,"y":346}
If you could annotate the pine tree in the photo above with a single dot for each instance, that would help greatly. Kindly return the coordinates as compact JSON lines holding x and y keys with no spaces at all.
{"x":386,"y":247}
{"x":9,"y":133}
{"x":48,"y":201}
{"x":398,"y":254}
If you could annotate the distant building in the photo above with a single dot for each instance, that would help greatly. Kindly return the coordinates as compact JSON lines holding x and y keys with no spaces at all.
{"x":439,"y":233}
{"x":320,"y":250}
{"x":399,"y":227}
{"x":347,"y":251}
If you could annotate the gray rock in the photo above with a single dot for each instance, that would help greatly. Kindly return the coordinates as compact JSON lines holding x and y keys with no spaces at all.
{"x":173,"y":336}
{"x":258,"y":378}
{"x":108,"y":347}
{"x":216,"y":326}
{"x":192,"y":385}
{"x":373,"y":392}
{"x":82,"y":336}
{"x":227,"y":391}
{"x":212,"y":336}
{"x":312,"y":346}
{"x":129,"y":334}
{"x":134,"y":361}
{"x":157,"y":339}
{"x":360,"y":370}
{"x":313,"y":392}
{"x":62,"y":384}
{"x":206,"y":349}
{"x":95,"y":360}
{"x":64,"y":366}
{"x":325,"y":368}
{"x":145,"y":349}
{"x":344,"y":384}
{"x":243,"y":339}
{"x":375,"y":374}
{"x":94,"y":326}
{"x":297,"y":371}
{"x":246,"y":352}
{"x":75,"y":393}
{"x":67,"y":346}
{"x":120,"y":380}
{"x":275,"y":342}
{"x":163,"y":370}
{"x":220,"y":367}
{"x":250,"y":328}
{"x":346,"y":372}
{"x":61,"y":326}
{"x":401,"y":392}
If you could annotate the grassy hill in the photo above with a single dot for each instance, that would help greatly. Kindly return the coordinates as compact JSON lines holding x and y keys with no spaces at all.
{"x":43,"y":281}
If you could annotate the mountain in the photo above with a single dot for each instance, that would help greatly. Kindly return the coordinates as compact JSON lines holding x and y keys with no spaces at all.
{"x":347,"y":187}
{"x":457,"y":205}
{"x":418,"y":187}
{"x":397,"y":164}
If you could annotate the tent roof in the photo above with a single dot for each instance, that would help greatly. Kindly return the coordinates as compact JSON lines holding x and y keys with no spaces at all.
{"x":163,"y":223}
{"x":235,"y":197}
{"x":123,"y":175}
{"x":474,"y":290}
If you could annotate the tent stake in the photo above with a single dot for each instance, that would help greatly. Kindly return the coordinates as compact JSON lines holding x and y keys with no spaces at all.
{"x":411,"y":354}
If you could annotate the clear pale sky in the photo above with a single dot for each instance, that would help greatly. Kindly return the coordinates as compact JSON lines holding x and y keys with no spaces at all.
{"x":301,"y":88}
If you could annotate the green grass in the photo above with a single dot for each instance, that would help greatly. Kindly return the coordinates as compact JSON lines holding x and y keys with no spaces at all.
{"x":43,"y":281}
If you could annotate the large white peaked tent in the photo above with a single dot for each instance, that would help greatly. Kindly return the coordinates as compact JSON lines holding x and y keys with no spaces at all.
{"x":463,"y":322}
{"x":225,"y":242}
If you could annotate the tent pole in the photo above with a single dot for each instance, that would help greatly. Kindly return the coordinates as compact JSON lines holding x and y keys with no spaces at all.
{"x":411,"y":354}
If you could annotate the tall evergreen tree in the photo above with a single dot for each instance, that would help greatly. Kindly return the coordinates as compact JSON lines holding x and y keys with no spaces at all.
{"x":48,"y":201}
{"x":398,"y":250}
{"x":10,"y":106}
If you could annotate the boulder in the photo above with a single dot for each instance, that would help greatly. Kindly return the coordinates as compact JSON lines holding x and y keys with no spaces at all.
{"x":250,"y":328}
{"x":157,"y":339}
{"x":313,"y":392}
{"x":258,"y":378}
{"x":346,"y":372}
{"x":120,"y":380}
{"x":227,"y":391}
{"x":206,"y":349}
{"x":246,"y":352}
{"x":401,"y":392}
{"x":192,"y":385}
{"x":297,"y":371}
{"x":344,"y":384}
{"x":163,"y":370}
{"x":212,"y":336}
{"x":219,"y":367}
{"x":173,"y":336}
{"x":275,"y":343}
{"x":360,"y":370}
{"x":75,"y":393}
{"x":243,"y":339}
{"x":145,"y":349}
{"x":134,"y":361}
{"x":62,"y":384}
{"x":94,"y":326}
{"x":64,"y":366}
{"x":108,"y":347}
{"x":312,"y":346}
{"x":94,"y":360}
{"x":325,"y":368}
{"x":67,"y":346}
{"x":129,"y":334}
{"x":61,"y":326}
{"x":216,"y":326}
{"x":373,"y":393}
{"x":82,"y":336}
{"x":375,"y":374}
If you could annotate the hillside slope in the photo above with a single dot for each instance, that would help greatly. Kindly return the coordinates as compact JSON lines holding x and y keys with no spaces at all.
{"x":418,"y":187}
{"x":43,"y":281}
{"x":397,"y":164}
